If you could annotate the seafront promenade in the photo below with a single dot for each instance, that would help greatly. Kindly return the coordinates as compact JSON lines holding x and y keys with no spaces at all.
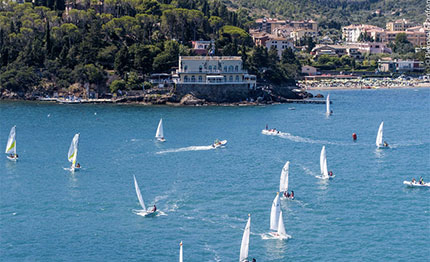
{"x":363,"y":83}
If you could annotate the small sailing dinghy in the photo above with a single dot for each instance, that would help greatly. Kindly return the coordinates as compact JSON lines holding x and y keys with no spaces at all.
{"x":283,"y":183}
{"x":73,"y":153}
{"x":11,"y":145}
{"x":159,"y":135}
{"x":180,"y":252}
{"x":379,"y":142}
{"x":219,"y":143}
{"x":323,"y":166}
{"x":416,"y":184}
{"x":327,"y":103}
{"x":143,"y":212}
{"x":244,"y":247}
{"x":276,"y":220}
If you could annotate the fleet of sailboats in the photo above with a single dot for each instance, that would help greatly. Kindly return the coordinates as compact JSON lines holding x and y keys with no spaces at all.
{"x":244,"y":247}
{"x":73,"y":153}
{"x":11,"y":145}
{"x":159,"y":135}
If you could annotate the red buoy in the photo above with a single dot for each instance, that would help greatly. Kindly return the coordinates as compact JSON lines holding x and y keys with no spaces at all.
{"x":354,"y":136}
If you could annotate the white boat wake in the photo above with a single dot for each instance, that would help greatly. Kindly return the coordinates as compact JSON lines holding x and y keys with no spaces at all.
{"x":185,"y":149}
{"x":298,"y":139}
{"x":266,"y":236}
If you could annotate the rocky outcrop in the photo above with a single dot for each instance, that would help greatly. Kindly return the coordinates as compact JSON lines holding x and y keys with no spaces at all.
{"x":190,"y":100}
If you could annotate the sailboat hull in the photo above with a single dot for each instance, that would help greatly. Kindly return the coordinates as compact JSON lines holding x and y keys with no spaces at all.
{"x":161,"y":140}
{"x":14,"y":159}
{"x":278,"y":236}
{"x":145,"y":213}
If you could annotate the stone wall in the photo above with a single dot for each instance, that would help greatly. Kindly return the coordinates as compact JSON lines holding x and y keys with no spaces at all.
{"x":219,"y":93}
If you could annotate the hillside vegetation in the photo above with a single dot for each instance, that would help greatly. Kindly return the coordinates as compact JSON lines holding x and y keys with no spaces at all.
{"x":342,"y":12}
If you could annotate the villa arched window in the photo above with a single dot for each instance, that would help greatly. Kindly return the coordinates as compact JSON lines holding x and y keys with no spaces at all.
{"x":200,"y":79}
{"x":237,"y":78}
{"x":185,"y":68}
{"x":210,"y":68}
{"x":200,"y":68}
{"x":225,"y":68}
{"x":230,"y":68}
{"x":185,"y":78}
{"x":193,"y":79}
{"x":230,"y":79}
{"x":236,"y":68}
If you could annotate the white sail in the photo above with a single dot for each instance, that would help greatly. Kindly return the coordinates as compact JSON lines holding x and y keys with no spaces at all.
{"x":323,"y":163}
{"x":180,"y":252}
{"x":11,"y":142}
{"x":379,"y":136}
{"x":73,"y":150}
{"x":274,"y":213}
{"x":283,"y":183}
{"x":281,"y":227}
{"x":139,"y":195}
{"x":160,"y":132}
{"x":244,"y":247}
{"x":328,"y":105}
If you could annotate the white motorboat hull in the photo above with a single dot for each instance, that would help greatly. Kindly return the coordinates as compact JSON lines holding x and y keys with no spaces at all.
{"x":416,"y":184}
{"x":269,"y":132}
{"x":221,"y":143}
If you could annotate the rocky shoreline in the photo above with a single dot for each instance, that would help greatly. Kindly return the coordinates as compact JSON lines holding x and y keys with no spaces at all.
{"x":263,"y":96}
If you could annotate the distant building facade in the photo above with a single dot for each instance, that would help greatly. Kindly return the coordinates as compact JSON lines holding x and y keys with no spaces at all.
{"x":202,"y":47}
{"x":400,"y":66}
{"x":400,"y":25}
{"x":219,"y":70}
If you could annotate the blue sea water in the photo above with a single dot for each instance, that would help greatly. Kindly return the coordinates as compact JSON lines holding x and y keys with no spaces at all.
{"x":205,"y":195}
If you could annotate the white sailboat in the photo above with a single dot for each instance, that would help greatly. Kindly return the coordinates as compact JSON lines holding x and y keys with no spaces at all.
{"x":143,"y":211}
{"x":379,"y":142}
{"x":327,"y":103}
{"x":11,"y":145}
{"x":244,"y":247}
{"x":159,"y":135}
{"x":283,"y":183}
{"x":180,"y":252}
{"x":73,"y":153}
{"x":323,"y":165}
{"x":281,"y":233}
{"x":274,"y":213}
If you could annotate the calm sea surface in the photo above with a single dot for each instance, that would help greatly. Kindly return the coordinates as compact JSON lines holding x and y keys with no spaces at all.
{"x":205,"y":195}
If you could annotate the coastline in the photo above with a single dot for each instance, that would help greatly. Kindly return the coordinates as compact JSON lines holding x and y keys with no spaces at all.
{"x":361,"y":88}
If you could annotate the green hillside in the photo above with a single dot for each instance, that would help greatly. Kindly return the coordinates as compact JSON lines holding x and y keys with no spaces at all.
{"x":340,"y":11}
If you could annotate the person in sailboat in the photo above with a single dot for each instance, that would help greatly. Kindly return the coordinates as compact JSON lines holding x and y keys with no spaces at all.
{"x":254,"y":260}
{"x":385,"y":144}
{"x":413,"y":180}
{"x":78,"y":165}
{"x":154,"y":209}
{"x":292,"y":194}
{"x":287,"y":194}
{"x":330,"y":173}
{"x":13,"y":155}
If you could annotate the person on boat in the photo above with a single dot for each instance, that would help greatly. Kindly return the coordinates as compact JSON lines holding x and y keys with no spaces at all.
{"x":78,"y":165}
{"x":154,"y":209}
{"x":385,"y":144}
{"x":292,"y":194}
{"x":421,"y":181}
{"x":267,"y":126}
{"x":254,"y":260}
{"x":413,"y":180}
{"x":330,"y":173}
{"x":287,"y":194}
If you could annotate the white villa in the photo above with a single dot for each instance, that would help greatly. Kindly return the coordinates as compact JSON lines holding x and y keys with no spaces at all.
{"x":213,"y":70}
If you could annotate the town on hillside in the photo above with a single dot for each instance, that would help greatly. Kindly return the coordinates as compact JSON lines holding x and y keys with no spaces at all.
{"x":81,"y":51}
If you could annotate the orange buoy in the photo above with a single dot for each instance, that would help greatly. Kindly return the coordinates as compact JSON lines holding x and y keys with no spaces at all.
{"x":354,"y":136}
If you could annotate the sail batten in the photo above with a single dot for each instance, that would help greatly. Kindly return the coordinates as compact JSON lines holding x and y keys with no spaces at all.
{"x":11,"y":142}
{"x":244,"y":247}
{"x":380,"y":134}
{"x":139,"y":195}
{"x":274,"y":213}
